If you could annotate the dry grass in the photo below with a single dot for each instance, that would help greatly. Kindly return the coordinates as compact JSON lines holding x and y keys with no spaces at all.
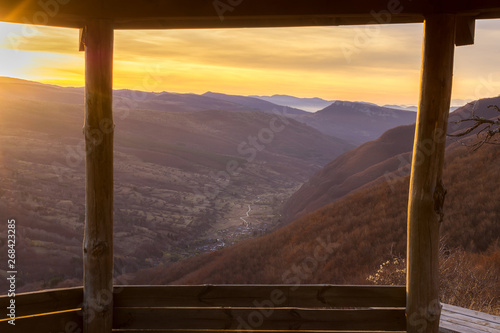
{"x":468,"y":280}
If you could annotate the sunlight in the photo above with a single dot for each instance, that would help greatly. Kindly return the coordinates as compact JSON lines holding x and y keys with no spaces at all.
{"x":378,"y":64}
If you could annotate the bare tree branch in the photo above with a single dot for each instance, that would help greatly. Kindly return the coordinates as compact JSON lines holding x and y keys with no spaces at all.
{"x":487,"y":134}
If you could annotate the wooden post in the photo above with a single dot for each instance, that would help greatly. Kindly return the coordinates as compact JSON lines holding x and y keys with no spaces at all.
{"x":426,"y":188}
{"x":97,"y":39}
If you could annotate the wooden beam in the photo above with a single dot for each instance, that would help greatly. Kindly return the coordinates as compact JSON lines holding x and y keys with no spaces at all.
{"x":263,"y":318}
{"x":46,"y":301}
{"x":465,"y":30}
{"x":81,"y":43}
{"x":98,"y":130}
{"x":70,"y":321}
{"x":426,"y":188}
{"x":249,"y":295}
{"x":179,"y":14}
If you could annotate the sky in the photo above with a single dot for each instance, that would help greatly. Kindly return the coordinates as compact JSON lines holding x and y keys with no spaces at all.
{"x":377,"y":64}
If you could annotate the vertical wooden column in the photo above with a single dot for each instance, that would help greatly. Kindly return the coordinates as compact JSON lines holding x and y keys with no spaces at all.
{"x":426,"y":187}
{"x":97,"y":39}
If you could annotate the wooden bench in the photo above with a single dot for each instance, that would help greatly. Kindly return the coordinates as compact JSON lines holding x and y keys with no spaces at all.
{"x":455,"y":319}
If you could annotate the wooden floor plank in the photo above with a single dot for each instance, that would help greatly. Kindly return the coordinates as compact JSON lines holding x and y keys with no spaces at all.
{"x":472,"y":313}
{"x":447,"y":327}
{"x":455,"y":319}
{"x":477,"y":324}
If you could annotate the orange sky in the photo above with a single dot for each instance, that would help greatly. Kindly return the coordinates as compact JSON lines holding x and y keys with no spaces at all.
{"x":378,"y":64}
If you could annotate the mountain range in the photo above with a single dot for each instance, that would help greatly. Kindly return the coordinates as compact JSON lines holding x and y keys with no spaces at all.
{"x":182,"y":179}
{"x":353,"y":122}
{"x":217,"y":188}
{"x":373,"y":162}
{"x":343,"y":232}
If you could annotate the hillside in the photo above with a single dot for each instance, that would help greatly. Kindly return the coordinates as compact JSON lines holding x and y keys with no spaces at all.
{"x":357,"y":122}
{"x":351,"y":171}
{"x":183,"y":180}
{"x":372,"y":162}
{"x":354,"y":122}
{"x":346,"y":241}
{"x":255,"y":103}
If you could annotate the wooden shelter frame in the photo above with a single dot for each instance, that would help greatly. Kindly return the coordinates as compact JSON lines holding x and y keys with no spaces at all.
{"x":446,"y":23}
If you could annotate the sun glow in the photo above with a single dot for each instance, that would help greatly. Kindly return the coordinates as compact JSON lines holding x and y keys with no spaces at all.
{"x":327,"y":62}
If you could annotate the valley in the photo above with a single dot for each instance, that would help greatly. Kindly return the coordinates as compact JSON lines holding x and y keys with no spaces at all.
{"x":217,"y":188}
{"x":183,"y":180}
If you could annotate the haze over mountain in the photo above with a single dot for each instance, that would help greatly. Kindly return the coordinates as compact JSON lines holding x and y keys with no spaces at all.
{"x":308,"y":104}
{"x":354,"y":122}
{"x":402,"y":107}
{"x":256,"y":103}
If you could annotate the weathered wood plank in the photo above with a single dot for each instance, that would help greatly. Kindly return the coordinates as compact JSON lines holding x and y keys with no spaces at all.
{"x":67,"y":322}
{"x":161,"y":14}
{"x":447,"y":308}
{"x":240,"y":331}
{"x":476,"y":323}
{"x":253,"y":319}
{"x":426,"y":189}
{"x":462,"y":320}
{"x":468,"y":322}
{"x":44,"y":301}
{"x":255,"y":295}
{"x":98,"y":130}
{"x":447,"y":327}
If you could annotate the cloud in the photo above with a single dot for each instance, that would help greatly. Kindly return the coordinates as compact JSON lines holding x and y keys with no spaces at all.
{"x":378,"y":63}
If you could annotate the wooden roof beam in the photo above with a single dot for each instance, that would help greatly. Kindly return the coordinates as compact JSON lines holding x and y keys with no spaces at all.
{"x":179,"y":14}
{"x":465,"y":30}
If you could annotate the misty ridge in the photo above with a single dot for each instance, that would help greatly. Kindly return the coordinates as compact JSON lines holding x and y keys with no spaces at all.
{"x":218,"y":188}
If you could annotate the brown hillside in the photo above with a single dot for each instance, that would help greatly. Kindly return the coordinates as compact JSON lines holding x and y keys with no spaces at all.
{"x":351,"y":171}
{"x":373,"y":161}
{"x":360,"y":231}
{"x":173,"y":194}
{"x":357,"y":122}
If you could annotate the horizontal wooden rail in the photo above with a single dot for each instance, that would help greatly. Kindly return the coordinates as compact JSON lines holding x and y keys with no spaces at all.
{"x":251,"y":295}
{"x":34,"y":303}
{"x":61,"y":322}
{"x":254,"y":319}
{"x":240,"y":331}
{"x":218,"y":308}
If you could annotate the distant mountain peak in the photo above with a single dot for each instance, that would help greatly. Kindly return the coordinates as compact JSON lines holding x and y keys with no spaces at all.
{"x":309,"y":104}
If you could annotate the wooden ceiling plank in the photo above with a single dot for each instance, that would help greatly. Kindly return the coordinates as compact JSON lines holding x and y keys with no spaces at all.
{"x":177,"y":14}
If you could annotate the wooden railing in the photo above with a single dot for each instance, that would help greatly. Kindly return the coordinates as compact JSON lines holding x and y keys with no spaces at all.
{"x":229,"y":308}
